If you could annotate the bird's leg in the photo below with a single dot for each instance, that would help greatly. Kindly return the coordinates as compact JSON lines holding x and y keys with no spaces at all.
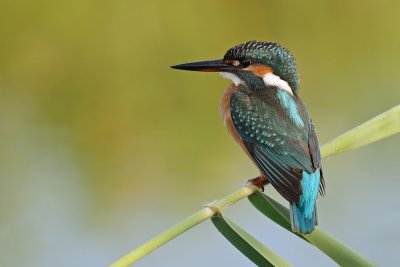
{"x":259,"y":181}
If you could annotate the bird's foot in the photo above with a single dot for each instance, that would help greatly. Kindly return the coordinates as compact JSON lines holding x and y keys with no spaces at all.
{"x":259,"y":181}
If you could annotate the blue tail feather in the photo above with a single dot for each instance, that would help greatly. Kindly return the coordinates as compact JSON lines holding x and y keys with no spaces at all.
{"x":304,"y":214}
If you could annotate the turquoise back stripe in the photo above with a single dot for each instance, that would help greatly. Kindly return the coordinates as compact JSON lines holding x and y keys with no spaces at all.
{"x":288,"y":103}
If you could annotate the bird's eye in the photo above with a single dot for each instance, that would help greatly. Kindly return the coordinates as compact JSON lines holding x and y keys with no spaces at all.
{"x":245,"y":63}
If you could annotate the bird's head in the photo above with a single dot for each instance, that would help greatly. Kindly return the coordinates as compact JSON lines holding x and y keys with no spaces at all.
{"x":255,"y":64}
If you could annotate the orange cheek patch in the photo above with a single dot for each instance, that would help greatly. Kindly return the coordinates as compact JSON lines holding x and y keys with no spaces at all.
{"x":259,"y":70}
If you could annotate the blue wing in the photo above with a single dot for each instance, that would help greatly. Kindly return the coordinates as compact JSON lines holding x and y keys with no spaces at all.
{"x":281,"y":149}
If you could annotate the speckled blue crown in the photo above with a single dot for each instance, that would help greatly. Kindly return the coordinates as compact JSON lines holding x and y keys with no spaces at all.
{"x":271,"y":54}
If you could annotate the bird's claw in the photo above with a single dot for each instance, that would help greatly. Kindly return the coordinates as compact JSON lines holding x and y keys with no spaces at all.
{"x":258,"y":181}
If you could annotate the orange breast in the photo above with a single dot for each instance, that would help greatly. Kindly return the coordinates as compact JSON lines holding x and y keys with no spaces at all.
{"x":225,"y":109}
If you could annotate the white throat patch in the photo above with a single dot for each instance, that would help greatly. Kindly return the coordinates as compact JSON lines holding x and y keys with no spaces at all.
{"x":271,"y":79}
{"x":235,"y":79}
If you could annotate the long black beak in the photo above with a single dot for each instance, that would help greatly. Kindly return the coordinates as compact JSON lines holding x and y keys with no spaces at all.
{"x":208,"y":66}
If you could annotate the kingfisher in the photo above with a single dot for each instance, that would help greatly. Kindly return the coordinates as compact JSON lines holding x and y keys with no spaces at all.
{"x":265,"y":115}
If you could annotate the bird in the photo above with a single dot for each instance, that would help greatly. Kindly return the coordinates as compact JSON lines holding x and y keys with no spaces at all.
{"x":265,"y":115}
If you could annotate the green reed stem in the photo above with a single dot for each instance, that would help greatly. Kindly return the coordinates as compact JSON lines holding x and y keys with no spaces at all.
{"x":382,"y":126}
{"x":210,"y":210}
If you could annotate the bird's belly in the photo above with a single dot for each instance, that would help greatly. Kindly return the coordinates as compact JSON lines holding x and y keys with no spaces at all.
{"x":225,"y":109}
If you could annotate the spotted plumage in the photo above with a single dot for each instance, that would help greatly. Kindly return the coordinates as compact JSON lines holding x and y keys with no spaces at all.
{"x":265,"y":115}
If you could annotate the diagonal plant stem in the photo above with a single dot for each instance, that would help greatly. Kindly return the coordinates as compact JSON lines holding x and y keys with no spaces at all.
{"x":337,"y":251}
{"x":164,"y":237}
{"x":210,"y":210}
{"x":375,"y":129}
{"x":382,"y":126}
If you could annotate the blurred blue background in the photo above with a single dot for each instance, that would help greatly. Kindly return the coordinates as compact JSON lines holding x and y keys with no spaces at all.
{"x":103,"y":146}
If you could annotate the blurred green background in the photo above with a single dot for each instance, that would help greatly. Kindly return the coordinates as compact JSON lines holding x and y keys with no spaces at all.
{"x":103,"y":146}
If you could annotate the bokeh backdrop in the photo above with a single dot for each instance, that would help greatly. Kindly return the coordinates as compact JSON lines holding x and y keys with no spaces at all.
{"x":102,"y":146}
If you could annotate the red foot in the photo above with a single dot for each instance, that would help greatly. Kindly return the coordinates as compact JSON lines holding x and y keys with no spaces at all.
{"x":258,"y":181}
